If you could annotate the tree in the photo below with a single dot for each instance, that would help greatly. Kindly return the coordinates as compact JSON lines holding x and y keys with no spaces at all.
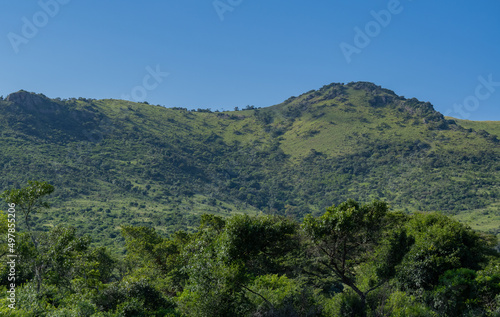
{"x":156,"y":257}
{"x":28,"y":200}
{"x":4,"y":227}
{"x":224,"y":257}
{"x":488,"y":282}
{"x":456,"y":293}
{"x":346,"y":236}
{"x":441,"y":244}
{"x":67,"y":260}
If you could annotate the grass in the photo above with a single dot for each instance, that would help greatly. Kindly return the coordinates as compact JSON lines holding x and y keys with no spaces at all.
{"x":492,"y":127}
{"x":485,"y":220}
{"x":120,"y":162}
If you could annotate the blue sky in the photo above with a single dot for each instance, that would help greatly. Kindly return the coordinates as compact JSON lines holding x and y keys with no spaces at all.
{"x":232,"y":53}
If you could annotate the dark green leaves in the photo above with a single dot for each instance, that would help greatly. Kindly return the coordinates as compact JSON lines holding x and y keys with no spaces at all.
{"x":29,"y":198}
{"x":441,"y":244}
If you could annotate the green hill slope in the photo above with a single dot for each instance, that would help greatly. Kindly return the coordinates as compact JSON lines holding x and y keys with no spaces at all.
{"x":114,"y":162}
{"x":492,"y":127}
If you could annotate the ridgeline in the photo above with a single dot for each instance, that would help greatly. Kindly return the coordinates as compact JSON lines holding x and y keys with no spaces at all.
{"x":115,"y":162}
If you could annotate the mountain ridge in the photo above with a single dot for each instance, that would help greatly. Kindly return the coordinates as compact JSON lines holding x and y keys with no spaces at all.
{"x":115,"y":161}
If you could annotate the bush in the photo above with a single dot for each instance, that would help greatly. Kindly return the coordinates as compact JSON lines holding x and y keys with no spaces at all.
{"x":400,"y":304}
{"x":283,"y":297}
{"x":345,"y":304}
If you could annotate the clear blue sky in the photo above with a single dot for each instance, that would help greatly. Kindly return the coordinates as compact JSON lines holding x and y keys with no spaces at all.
{"x":253,"y":52}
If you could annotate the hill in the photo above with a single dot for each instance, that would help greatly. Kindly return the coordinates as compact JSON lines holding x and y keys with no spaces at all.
{"x":492,"y":127}
{"x":115,"y":162}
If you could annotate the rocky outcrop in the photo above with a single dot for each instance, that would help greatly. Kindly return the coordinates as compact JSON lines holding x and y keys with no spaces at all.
{"x":28,"y":100}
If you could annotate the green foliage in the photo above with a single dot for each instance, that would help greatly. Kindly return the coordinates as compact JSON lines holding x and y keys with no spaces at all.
{"x":214,"y":289}
{"x":401,"y":304}
{"x":59,"y":251}
{"x":27,"y":255}
{"x":257,"y":241}
{"x":456,"y":293}
{"x":224,"y":260}
{"x":150,"y":254}
{"x":488,"y":287}
{"x":354,"y":260}
{"x":391,"y":252}
{"x":346,"y":304}
{"x":441,"y":244}
{"x":133,"y":298}
{"x":28,"y":199}
{"x":212,"y":221}
{"x":345,"y":236}
{"x":116,"y":162}
{"x":276,"y":295}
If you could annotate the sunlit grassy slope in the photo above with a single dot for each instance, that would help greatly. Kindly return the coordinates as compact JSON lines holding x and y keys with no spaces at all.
{"x":486,"y":219}
{"x":116,"y":162}
{"x":492,"y":127}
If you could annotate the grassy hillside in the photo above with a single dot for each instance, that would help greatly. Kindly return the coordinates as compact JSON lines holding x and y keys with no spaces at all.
{"x":492,"y":127}
{"x":116,"y":162}
{"x":486,"y":219}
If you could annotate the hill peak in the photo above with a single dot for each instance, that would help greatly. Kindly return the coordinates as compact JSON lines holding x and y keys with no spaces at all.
{"x":27,"y":99}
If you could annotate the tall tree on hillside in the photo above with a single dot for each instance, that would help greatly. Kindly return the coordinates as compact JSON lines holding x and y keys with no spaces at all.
{"x":29,"y":200}
{"x":346,"y":236}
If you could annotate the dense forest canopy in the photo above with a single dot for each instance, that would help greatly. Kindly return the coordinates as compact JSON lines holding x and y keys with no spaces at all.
{"x":353,"y":260}
{"x":344,"y":201}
